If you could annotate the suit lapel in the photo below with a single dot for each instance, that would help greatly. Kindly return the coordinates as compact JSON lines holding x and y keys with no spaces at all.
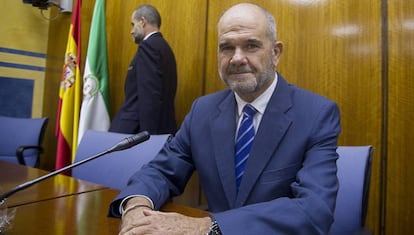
{"x":273,"y":127}
{"x":223,"y":125}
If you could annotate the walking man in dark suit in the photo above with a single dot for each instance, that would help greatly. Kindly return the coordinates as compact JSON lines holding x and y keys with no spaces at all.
{"x":151,"y":81}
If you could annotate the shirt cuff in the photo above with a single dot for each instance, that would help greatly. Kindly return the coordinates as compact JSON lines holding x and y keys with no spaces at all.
{"x":123,"y":202}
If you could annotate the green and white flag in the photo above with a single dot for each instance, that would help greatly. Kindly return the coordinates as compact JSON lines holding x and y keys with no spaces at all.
{"x":94,"y":112}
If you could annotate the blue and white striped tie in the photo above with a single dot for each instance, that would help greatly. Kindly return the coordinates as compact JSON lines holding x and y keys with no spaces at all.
{"x":244,"y":141}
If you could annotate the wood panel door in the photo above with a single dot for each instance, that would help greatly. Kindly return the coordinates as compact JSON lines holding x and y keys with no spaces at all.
{"x":399,"y":211}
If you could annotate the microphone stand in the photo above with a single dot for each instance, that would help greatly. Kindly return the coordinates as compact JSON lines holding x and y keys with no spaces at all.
{"x":124,"y":144}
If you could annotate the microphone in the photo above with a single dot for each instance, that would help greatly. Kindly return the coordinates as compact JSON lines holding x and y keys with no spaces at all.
{"x":125,"y":143}
{"x":129,"y":142}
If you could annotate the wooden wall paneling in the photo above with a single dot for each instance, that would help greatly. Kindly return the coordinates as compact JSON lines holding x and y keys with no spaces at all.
{"x":334,"y":49}
{"x":185,"y":29}
{"x":121,"y":48}
{"x":399,"y":213}
{"x":185,"y":32}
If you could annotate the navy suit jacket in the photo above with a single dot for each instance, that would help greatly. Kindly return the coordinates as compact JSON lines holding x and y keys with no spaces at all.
{"x":290,"y":183}
{"x":150,"y":89}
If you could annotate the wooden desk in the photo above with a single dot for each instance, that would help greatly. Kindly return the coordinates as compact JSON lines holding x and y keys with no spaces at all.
{"x":12,"y":175}
{"x":84,"y":213}
{"x":64,"y":205}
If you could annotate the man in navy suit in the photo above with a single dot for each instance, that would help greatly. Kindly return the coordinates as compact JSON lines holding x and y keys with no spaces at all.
{"x":151,"y":81}
{"x":289,"y":184}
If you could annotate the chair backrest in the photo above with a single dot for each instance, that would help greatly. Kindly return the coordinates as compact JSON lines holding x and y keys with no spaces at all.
{"x":18,"y":132}
{"x":354,"y":173}
{"x":114,"y":169}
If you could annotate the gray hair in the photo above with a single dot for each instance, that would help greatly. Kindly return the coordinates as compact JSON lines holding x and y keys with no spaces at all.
{"x":271,"y":30}
{"x":150,"y":13}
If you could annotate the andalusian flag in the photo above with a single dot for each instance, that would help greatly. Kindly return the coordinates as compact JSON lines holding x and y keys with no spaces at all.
{"x":95,"y":106}
{"x":70,"y":94}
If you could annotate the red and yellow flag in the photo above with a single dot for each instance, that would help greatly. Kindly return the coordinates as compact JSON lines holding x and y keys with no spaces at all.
{"x":70,"y":94}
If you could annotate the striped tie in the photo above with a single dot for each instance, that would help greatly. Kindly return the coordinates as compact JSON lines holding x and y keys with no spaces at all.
{"x":245,"y":136}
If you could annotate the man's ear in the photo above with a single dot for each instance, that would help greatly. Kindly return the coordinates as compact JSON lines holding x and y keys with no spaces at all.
{"x":277,"y":49}
{"x":143,"y":20}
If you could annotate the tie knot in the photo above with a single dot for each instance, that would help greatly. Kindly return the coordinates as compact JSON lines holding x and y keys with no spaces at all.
{"x":249,"y":110}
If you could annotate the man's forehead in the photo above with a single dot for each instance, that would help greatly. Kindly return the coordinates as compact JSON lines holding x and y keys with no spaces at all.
{"x":242,"y":28}
{"x":238,"y":27}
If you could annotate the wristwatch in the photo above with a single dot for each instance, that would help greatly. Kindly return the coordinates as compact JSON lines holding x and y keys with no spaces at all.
{"x":214,"y":228}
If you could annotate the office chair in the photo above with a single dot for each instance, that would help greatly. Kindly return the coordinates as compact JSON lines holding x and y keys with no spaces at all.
{"x":21,"y":139}
{"x":114,"y":169}
{"x":354,"y":173}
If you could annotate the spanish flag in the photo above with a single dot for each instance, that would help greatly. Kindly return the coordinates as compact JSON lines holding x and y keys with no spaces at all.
{"x":70,"y":92}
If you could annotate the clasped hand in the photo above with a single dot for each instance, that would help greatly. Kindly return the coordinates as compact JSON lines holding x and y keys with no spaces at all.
{"x":143,"y":221}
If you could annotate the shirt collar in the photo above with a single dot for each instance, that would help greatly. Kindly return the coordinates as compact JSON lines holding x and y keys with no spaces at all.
{"x":148,"y":35}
